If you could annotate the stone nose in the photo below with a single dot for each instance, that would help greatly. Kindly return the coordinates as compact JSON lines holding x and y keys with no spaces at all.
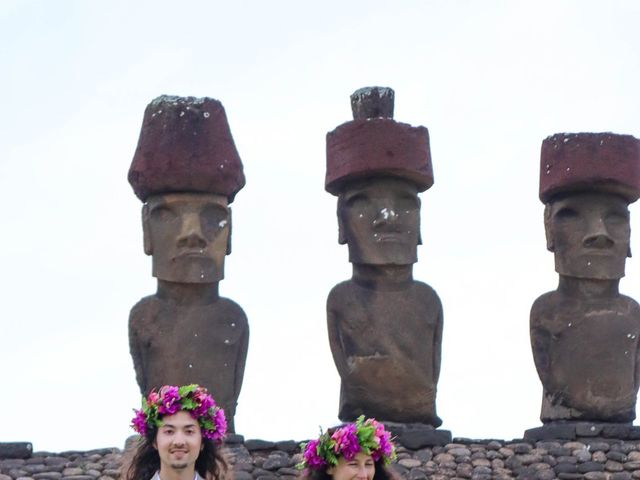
{"x":385,"y":215}
{"x":191,"y":233}
{"x":599,"y":240}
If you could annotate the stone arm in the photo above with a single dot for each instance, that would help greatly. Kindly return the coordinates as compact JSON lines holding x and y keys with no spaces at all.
{"x":135,"y":348}
{"x":335,"y":341}
{"x":241,"y":360}
{"x":437,"y":344}
{"x":540,"y":343}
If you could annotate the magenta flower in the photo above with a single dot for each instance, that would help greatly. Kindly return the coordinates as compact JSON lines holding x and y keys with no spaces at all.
{"x":311,"y":457}
{"x":205,"y":403}
{"x":139,"y":422}
{"x":346,"y":439}
{"x":170,"y":398}
{"x":220,"y":421}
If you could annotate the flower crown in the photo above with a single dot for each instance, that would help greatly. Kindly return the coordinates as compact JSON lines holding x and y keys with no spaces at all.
{"x":368,"y":436}
{"x":169,"y":400}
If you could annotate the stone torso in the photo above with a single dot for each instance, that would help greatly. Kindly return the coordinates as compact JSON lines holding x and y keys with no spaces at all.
{"x":586,"y":353}
{"x":386,"y":345}
{"x":177,"y":345}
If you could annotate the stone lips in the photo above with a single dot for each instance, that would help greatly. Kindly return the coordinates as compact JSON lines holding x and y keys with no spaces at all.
{"x":378,"y":146}
{"x":185,"y":145}
{"x":608,"y":162}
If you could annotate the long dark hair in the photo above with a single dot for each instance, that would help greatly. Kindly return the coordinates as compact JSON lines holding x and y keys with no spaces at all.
{"x":145,"y":462}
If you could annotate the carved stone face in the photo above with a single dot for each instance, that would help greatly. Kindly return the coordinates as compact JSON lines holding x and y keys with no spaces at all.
{"x":589,"y":234}
{"x":188,"y":236}
{"x":379,"y":218}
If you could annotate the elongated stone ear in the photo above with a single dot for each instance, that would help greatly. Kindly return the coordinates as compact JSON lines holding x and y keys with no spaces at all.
{"x":547,"y":228}
{"x":342,"y":236}
{"x":146,"y":231}
{"x":229,"y":237}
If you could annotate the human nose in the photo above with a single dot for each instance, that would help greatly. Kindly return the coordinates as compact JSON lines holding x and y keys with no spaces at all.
{"x":178,"y":439}
{"x":362,"y":472}
{"x":598,"y":236}
{"x":191,"y":232}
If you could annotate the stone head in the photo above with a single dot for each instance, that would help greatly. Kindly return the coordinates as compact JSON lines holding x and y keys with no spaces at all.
{"x":187,"y":235}
{"x":589,"y":234}
{"x":587,"y":181}
{"x":377,"y":166}
{"x":379,"y":220}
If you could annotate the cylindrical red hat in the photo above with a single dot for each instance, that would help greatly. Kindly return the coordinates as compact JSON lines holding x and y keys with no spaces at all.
{"x":377,"y":146}
{"x":574,"y":162}
{"x":185,"y":145}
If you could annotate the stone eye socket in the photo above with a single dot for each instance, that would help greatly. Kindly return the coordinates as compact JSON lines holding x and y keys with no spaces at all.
{"x":566,"y":213}
{"x":213,"y":219}
{"x":163,"y":214}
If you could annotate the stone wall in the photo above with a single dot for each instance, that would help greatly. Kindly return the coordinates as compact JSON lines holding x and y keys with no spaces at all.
{"x":592,"y":459}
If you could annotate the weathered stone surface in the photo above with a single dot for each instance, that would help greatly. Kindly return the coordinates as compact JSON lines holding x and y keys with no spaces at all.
{"x":583,"y":161}
{"x":417,"y":474}
{"x":582,"y":454}
{"x":621,"y":476}
{"x":68,"y":472}
{"x":255,"y":444}
{"x":15,"y":449}
{"x":617,"y":456}
{"x":582,"y":174}
{"x":409,"y":463}
{"x":288,"y":446}
{"x":596,"y":476}
{"x":599,"y":456}
{"x":47,"y":476}
{"x":590,"y":467}
{"x":566,"y":467}
{"x":242,"y":475}
{"x":186,"y":164}
{"x":612,"y":466}
{"x":385,"y":164}
{"x":275,"y":462}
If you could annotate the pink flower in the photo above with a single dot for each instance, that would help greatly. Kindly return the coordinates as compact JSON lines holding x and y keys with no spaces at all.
{"x":153,"y":398}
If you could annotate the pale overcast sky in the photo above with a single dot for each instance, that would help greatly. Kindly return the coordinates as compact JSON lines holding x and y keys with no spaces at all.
{"x":490,"y":80}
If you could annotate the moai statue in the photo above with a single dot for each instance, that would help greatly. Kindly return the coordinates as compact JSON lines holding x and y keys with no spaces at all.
{"x":187,"y":171}
{"x":585,"y":334}
{"x":385,"y":328}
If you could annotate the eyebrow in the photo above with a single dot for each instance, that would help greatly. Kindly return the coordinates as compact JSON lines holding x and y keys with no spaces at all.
{"x":171,"y":425}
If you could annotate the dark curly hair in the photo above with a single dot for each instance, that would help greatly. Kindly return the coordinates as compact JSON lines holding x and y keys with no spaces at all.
{"x":145,"y":461}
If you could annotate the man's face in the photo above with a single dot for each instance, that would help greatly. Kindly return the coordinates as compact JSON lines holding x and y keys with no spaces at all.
{"x":179,"y":442}
{"x":187,"y":234}
{"x":589,"y":234}
{"x":380,"y":221}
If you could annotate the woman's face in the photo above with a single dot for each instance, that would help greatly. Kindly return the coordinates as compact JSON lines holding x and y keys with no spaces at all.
{"x":360,"y":467}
